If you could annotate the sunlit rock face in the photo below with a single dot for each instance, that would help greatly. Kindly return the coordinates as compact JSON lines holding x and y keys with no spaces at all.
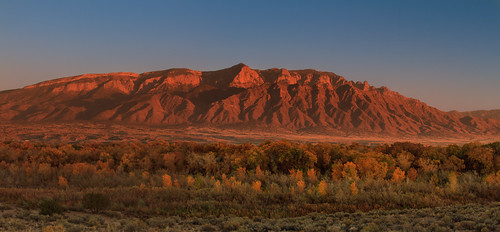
{"x":238,"y":96}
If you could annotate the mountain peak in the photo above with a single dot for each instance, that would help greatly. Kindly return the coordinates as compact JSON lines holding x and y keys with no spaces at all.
{"x":239,"y":65}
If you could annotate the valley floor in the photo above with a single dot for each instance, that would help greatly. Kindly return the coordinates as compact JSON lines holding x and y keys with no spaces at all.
{"x":87,"y":132}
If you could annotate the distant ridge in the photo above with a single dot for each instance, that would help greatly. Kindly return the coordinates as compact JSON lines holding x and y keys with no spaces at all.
{"x":489,"y":114}
{"x":236,"y":97}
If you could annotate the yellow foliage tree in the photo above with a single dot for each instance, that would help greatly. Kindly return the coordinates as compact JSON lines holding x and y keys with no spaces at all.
{"x":349,"y":171}
{"x":370,"y":168}
{"x":452,"y":182}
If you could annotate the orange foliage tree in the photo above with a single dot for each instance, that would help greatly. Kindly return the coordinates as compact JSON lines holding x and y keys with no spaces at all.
{"x":167,"y":180}
{"x":322,"y":186}
{"x":354,"y":189}
{"x":412,"y":174}
{"x":398,"y":175}
{"x":301,"y":185}
{"x":337,"y":171}
{"x":62,"y":182}
{"x":370,"y":168}
{"x":258,"y":173}
{"x":311,"y":175}
{"x":256,"y":185}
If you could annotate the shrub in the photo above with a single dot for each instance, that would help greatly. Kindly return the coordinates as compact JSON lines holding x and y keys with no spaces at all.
{"x":95,"y":202}
{"x":56,"y":228}
{"x":50,"y":207}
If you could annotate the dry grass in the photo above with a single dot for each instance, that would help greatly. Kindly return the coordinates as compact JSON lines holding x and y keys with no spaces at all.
{"x":470,"y":217}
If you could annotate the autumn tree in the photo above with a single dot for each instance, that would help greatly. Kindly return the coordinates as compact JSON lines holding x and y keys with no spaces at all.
{"x":412,"y":174}
{"x":322,"y":187}
{"x":453,"y":163}
{"x":167,"y":180}
{"x":258,"y":173}
{"x":479,"y":158}
{"x":369,"y":167}
{"x":312,"y":176}
{"x":398,"y":175}
{"x":256,"y":185}
{"x":404,"y":160}
{"x":285,"y":156}
{"x":426,"y":165}
{"x":349,"y":171}
{"x":354,"y":189}
{"x":336,"y":171}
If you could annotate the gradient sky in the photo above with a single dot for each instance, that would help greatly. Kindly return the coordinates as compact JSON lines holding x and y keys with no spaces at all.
{"x":445,"y":53}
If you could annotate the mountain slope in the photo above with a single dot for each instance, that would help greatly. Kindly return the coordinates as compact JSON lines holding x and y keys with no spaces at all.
{"x":488,"y":114}
{"x":235,"y":97}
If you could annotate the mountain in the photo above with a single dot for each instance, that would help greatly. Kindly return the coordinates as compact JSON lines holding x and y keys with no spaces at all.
{"x":491,"y":114}
{"x":236,"y":97}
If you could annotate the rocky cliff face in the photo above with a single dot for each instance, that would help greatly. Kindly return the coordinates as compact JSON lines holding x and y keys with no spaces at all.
{"x":235,"y":97}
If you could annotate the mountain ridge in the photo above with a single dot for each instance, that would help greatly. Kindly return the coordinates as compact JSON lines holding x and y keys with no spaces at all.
{"x":487,"y":114}
{"x":238,"y":96}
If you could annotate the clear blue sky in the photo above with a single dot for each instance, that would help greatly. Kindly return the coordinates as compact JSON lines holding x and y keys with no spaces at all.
{"x":445,"y":53}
